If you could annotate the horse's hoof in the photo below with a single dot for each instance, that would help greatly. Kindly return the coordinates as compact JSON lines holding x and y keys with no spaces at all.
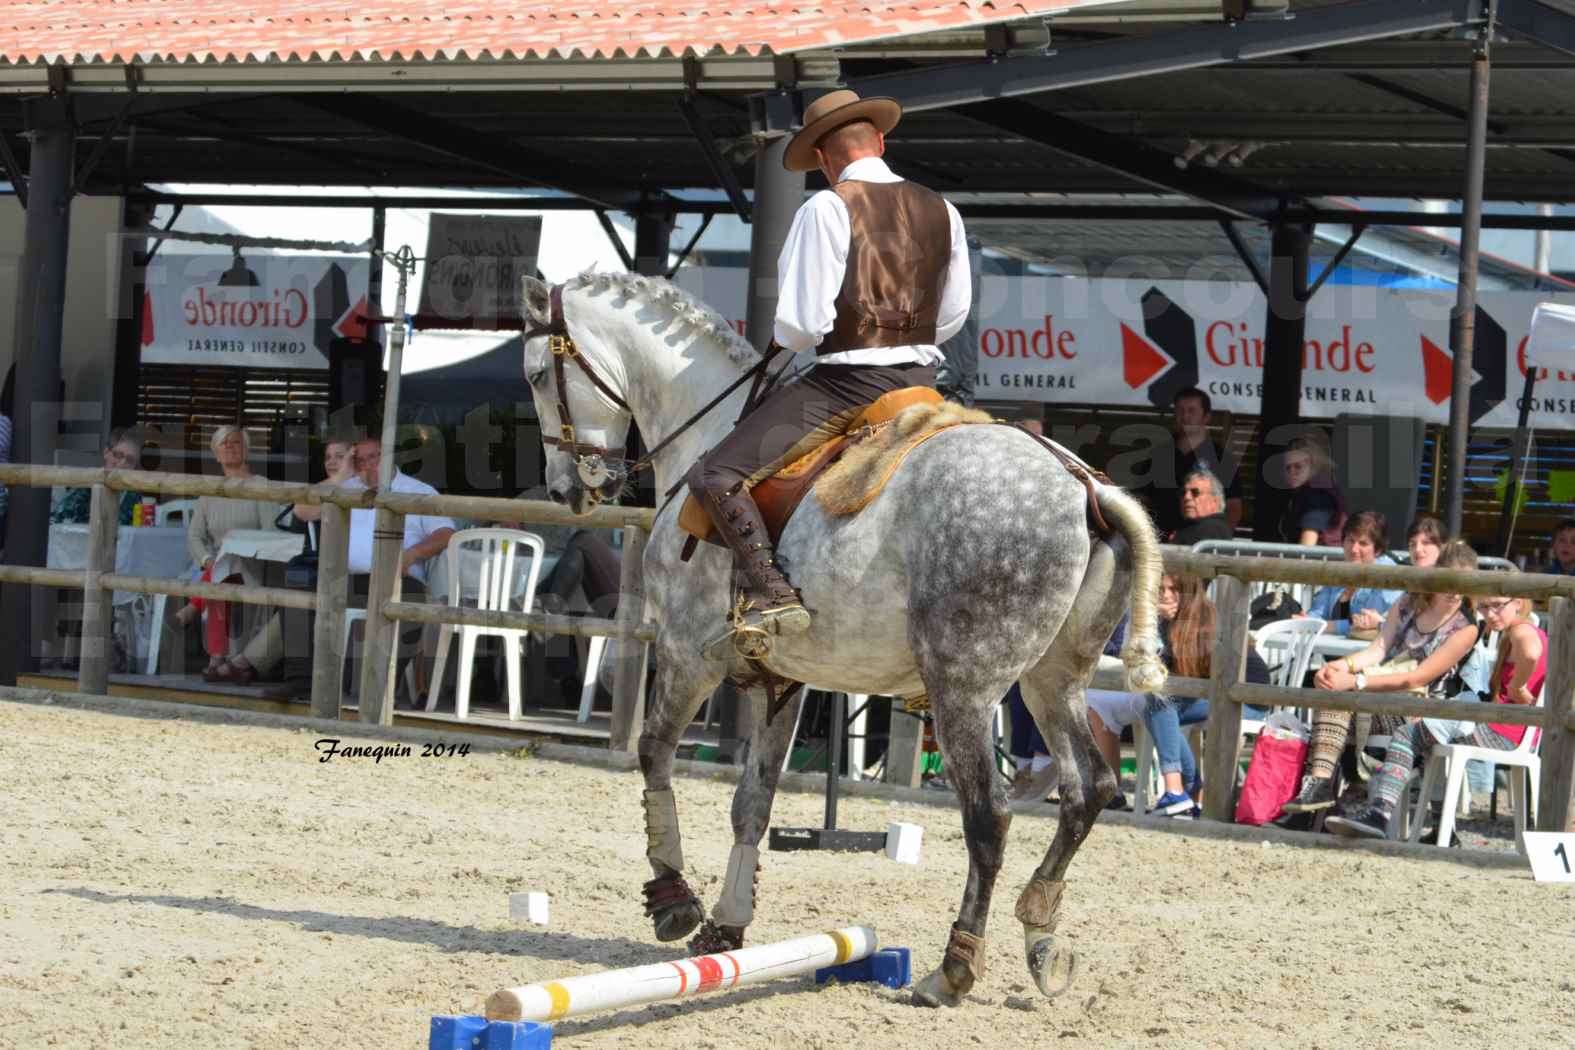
{"x":673,"y":908}
{"x":713,"y":939}
{"x":1053,"y":970}
{"x":937,"y":990}
{"x":677,"y":922}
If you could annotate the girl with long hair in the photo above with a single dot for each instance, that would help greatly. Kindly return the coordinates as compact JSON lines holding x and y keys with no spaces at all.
{"x":1517,"y":678}
{"x":1432,"y":633}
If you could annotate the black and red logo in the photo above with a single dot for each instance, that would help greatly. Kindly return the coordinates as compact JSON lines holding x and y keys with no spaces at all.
{"x":1489,"y":359}
{"x":1165,"y":356}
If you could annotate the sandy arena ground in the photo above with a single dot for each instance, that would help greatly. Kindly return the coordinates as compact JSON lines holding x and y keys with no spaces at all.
{"x":166,"y":883}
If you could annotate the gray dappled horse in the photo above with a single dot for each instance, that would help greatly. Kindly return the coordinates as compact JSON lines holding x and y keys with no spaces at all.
{"x":976,"y":567}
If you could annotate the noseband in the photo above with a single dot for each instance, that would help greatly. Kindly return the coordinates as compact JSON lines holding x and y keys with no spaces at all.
{"x":562,"y":345}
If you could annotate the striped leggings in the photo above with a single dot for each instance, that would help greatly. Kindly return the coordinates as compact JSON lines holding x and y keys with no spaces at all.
{"x":1413,"y":739}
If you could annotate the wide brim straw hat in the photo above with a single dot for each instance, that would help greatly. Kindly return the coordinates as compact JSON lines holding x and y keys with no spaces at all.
{"x":830,"y":112}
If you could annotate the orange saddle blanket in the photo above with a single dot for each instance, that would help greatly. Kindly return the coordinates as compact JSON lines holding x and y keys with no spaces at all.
{"x":779,"y":495}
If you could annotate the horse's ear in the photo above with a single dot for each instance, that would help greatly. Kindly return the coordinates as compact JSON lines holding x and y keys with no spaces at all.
{"x":537,"y":303}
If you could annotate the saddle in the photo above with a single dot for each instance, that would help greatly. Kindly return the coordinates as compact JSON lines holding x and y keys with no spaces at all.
{"x":779,"y":495}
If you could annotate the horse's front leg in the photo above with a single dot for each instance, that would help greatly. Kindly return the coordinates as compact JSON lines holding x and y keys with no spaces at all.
{"x":757,"y":788}
{"x":678,"y":692}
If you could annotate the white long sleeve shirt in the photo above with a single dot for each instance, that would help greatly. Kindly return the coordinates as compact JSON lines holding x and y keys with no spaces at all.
{"x":814,"y":260}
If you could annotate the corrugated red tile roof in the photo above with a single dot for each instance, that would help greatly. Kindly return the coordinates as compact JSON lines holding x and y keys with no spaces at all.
{"x":219,"y":30}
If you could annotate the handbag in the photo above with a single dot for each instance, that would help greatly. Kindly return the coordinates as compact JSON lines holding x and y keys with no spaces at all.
{"x":300,"y":572}
{"x":1272,"y":778}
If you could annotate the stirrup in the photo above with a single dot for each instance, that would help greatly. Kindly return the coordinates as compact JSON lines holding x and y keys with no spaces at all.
{"x":749,"y":630}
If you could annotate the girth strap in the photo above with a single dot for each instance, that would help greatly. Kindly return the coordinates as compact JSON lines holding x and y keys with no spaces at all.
{"x":1079,"y":470}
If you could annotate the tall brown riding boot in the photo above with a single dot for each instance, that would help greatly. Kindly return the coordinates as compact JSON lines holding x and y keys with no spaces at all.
{"x":768,"y":604}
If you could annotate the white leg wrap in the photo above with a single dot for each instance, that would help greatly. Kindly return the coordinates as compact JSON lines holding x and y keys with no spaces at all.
{"x":737,"y":904}
{"x":662,"y":842}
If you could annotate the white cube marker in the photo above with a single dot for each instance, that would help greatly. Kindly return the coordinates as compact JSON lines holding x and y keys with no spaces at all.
{"x":903,"y":841}
{"x":532,"y":907}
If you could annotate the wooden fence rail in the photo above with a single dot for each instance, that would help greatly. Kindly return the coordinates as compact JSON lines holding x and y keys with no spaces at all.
{"x":1224,"y":688}
{"x":98,"y":581}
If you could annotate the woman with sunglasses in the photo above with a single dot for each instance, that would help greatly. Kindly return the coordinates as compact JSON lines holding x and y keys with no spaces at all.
{"x":1522,"y":666}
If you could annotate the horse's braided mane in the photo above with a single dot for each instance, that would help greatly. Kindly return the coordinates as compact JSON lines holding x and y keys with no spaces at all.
{"x":660,"y":292}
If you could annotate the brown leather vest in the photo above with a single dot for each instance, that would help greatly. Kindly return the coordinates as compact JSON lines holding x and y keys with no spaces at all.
{"x":898,"y":254}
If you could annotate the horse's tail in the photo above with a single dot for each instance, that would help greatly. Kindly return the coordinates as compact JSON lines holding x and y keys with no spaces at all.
{"x":1145,"y":670}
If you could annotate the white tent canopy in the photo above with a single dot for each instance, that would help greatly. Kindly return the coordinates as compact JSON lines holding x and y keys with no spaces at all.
{"x":1551,"y":343}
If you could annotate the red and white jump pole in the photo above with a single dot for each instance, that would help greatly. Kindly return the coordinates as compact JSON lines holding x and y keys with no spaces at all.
{"x":668,"y":981}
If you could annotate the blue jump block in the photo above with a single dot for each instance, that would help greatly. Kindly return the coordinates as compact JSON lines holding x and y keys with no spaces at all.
{"x":892,"y":967}
{"x":477,"y":1033}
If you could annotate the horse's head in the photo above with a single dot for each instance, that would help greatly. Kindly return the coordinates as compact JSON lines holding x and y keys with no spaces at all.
{"x":584,"y":418}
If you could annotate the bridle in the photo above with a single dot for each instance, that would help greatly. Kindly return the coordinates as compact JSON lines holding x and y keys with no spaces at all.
{"x":596,"y":464}
{"x":591,"y":461}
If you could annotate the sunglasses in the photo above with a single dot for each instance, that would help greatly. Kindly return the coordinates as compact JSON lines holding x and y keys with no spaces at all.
{"x":1493,"y":607}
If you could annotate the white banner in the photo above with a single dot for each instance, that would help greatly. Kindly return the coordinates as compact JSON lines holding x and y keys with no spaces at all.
{"x":1367,"y":350}
{"x":298,"y":304}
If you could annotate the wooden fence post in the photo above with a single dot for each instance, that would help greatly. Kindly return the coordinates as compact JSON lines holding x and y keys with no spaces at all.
{"x":98,"y":612}
{"x":328,"y":638}
{"x":1224,"y":726}
{"x":381,"y":645}
{"x":628,"y":710}
{"x":1558,"y":741}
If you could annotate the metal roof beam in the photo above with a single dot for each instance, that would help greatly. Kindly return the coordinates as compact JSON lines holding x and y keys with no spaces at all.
{"x":1537,"y":22}
{"x":941,"y":87}
{"x":1235,"y":198}
{"x":474,"y":147}
{"x":1197,"y":213}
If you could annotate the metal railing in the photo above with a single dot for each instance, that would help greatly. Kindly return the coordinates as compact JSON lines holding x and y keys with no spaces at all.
{"x":385,"y":611}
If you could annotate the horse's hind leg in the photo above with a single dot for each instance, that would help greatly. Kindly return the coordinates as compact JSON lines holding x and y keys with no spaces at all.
{"x":678,"y":692}
{"x":1054,"y":690}
{"x":962,"y":728}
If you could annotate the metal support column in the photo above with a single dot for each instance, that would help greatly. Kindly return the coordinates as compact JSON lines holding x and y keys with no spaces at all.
{"x":40,"y":308}
{"x":653,"y":239}
{"x":778,"y":194}
{"x":1284,"y":331}
{"x":1463,"y":320}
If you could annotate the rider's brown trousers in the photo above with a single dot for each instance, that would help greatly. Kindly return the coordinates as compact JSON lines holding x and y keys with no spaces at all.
{"x":799,"y":417}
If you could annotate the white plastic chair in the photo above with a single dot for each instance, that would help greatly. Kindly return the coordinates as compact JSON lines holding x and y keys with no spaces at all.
{"x":175,"y":508}
{"x":499,"y":588}
{"x":1450,"y":760}
{"x":1296,"y":640}
{"x":593,"y":669}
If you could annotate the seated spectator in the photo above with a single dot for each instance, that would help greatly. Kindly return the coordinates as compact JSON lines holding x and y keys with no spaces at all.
{"x":1191,"y":450}
{"x":1031,"y":755}
{"x":1427,"y":636}
{"x":589,"y":565}
{"x":1365,"y":539}
{"x":1522,"y":666}
{"x":123,"y":452}
{"x":1202,"y":510}
{"x":1561,"y":559}
{"x":1186,"y":627}
{"x":1315,"y":513}
{"x":1424,"y":541}
{"x":338,"y":469}
{"x":426,"y":537}
{"x":212,"y":520}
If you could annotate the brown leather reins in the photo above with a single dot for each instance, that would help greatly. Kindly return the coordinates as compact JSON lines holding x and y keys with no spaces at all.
{"x":562,"y":345}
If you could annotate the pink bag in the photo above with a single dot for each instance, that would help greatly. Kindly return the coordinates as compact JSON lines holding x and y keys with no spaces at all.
{"x":1272,"y":778}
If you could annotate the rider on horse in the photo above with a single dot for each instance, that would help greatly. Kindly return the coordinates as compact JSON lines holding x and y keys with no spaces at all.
{"x":874,"y":274}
